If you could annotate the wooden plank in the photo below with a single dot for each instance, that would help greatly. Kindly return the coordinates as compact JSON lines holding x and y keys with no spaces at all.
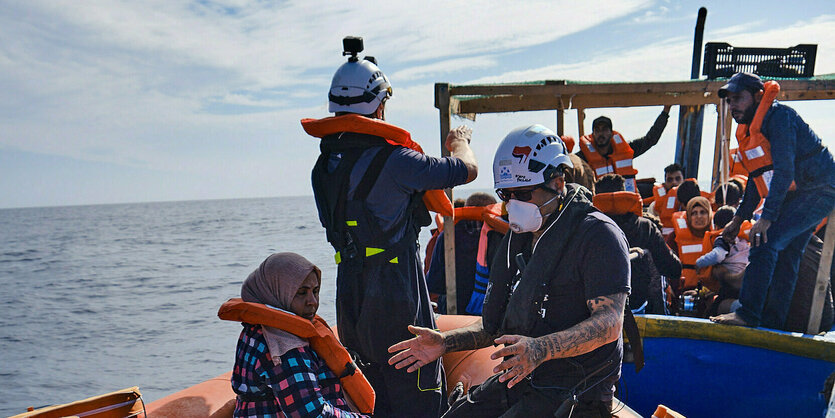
{"x":823,"y":277}
{"x":679,"y":87}
{"x":442,"y":102}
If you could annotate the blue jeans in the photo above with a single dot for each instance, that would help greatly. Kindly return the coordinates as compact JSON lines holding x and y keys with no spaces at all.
{"x":768,"y":284}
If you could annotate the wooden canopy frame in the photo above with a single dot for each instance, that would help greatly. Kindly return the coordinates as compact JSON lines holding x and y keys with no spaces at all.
{"x":560,"y":95}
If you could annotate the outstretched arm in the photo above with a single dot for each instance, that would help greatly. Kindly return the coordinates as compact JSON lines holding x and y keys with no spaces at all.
{"x":429,"y":345}
{"x":602,"y":327}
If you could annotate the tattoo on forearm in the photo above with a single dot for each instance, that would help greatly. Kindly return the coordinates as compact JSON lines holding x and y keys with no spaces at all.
{"x":467,"y":338}
{"x":602,"y":327}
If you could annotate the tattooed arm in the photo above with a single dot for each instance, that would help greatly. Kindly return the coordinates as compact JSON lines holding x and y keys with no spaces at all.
{"x":429,"y":345}
{"x":602,"y":327}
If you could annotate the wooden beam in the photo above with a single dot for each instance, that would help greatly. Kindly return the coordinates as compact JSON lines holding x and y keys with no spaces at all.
{"x":442,"y":102}
{"x":824,"y":267}
{"x":581,"y":116}
{"x":560,"y":122}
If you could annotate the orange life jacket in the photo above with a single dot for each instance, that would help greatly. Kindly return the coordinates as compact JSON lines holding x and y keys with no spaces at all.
{"x":665,"y":206}
{"x":492,"y":216}
{"x":618,"y":203}
{"x":690,"y":248}
{"x":735,"y":168}
{"x":464,"y":213}
{"x":568,"y":141}
{"x":756,"y":150}
{"x":619,"y":161}
{"x":321,"y":339}
{"x":435,"y":200}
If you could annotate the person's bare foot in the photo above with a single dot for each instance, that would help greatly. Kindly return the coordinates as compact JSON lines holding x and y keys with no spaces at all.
{"x":729,"y":319}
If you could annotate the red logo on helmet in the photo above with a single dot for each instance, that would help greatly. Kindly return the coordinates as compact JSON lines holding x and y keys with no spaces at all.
{"x":522,"y":153}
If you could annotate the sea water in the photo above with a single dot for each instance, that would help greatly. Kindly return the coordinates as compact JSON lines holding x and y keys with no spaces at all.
{"x":99,"y":298}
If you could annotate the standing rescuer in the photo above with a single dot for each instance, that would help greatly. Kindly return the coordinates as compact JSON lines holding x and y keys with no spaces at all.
{"x":608,"y":152}
{"x":795,"y":174}
{"x":555,"y":297}
{"x":369,"y":193}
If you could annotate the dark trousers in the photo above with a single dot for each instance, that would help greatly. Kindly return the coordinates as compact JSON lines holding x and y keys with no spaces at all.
{"x":493,"y":399}
{"x":375,"y":302}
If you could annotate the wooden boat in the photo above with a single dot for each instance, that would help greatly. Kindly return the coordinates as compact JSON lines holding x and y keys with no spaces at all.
{"x":703,"y":369}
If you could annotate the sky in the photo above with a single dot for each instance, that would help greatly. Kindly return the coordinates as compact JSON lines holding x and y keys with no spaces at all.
{"x":134,"y":101}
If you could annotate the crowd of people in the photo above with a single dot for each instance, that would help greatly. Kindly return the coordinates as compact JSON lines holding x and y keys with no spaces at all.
{"x":528,"y":265}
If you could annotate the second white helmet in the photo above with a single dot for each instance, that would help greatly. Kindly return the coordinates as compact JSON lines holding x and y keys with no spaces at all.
{"x":529,"y":156}
{"x":358,"y":87}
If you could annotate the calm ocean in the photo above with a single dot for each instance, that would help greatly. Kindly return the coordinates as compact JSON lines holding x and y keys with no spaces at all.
{"x":100,"y":298}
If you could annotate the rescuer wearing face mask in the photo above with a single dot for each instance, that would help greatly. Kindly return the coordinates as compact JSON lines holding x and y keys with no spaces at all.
{"x":555,"y":299}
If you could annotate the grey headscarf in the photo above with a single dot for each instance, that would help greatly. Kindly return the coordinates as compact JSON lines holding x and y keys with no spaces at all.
{"x":275,"y":283}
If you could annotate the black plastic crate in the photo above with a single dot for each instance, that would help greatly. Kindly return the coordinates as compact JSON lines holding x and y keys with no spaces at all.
{"x":724,"y":60}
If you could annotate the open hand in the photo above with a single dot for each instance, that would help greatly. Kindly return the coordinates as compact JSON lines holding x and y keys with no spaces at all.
{"x":758,"y":234}
{"x":426,"y":347}
{"x":527,"y":353}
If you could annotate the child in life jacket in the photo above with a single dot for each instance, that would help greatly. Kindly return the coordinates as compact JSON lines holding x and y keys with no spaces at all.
{"x":729,"y":260}
{"x":277,"y":373}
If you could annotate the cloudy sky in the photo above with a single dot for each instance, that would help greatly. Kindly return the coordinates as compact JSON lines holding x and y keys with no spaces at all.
{"x":129,"y":101}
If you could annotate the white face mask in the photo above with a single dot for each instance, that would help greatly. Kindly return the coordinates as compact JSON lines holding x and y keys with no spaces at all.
{"x":525,"y":216}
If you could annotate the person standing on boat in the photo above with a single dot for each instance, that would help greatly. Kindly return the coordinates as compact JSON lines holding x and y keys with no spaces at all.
{"x":608,"y":152}
{"x":369,"y":197}
{"x":555,"y":297}
{"x":795,"y":174}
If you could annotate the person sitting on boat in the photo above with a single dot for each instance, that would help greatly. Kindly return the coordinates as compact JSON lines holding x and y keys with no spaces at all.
{"x":275,"y":371}
{"x":728,"y":194}
{"x":673,"y":176}
{"x":692,"y":240}
{"x":625,"y":209}
{"x":568,"y":266}
{"x":467,"y":250}
{"x":728,"y":260}
{"x":608,"y":152}
{"x":371,"y":185}
{"x":795,"y":173}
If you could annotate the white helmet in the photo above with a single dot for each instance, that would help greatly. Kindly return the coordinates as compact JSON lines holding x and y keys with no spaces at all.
{"x":528,"y":156}
{"x":358,"y":86}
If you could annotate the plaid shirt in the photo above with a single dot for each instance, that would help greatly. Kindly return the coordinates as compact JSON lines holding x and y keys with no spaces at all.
{"x":301,"y":386}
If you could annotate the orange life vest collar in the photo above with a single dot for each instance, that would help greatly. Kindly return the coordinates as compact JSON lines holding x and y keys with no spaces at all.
{"x":618,"y":203}
{"x":394,"y":135}
{"x":435,"y":200}
{"x":754,"y":148}
{"x":321,"y":339}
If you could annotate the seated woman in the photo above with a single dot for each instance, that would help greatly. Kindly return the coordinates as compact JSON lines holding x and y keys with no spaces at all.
{"x":275,"y":371}
{"x":691,"y":240}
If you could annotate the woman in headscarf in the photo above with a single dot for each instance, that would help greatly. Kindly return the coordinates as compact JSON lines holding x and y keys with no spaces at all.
{"x":699,"y":216}
{"x":277,"y":372}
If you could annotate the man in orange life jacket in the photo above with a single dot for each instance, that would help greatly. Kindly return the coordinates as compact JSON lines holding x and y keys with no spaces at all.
{"x":608,"y":152}
{"x":795,"y":173}
{"x":369,"y":196}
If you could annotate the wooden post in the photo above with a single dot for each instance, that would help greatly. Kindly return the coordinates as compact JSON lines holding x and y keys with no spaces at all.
{"x":823,"y":277}
{"x":560,"y":122}
{"x":442,"y":103}
{"x":581,"y":116}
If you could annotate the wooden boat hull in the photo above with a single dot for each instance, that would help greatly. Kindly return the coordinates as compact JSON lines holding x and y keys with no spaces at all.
{"x":702,"y":369}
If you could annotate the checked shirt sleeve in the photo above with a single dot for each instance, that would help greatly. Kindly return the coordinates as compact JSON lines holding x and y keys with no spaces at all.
{"x":303,"y":389}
